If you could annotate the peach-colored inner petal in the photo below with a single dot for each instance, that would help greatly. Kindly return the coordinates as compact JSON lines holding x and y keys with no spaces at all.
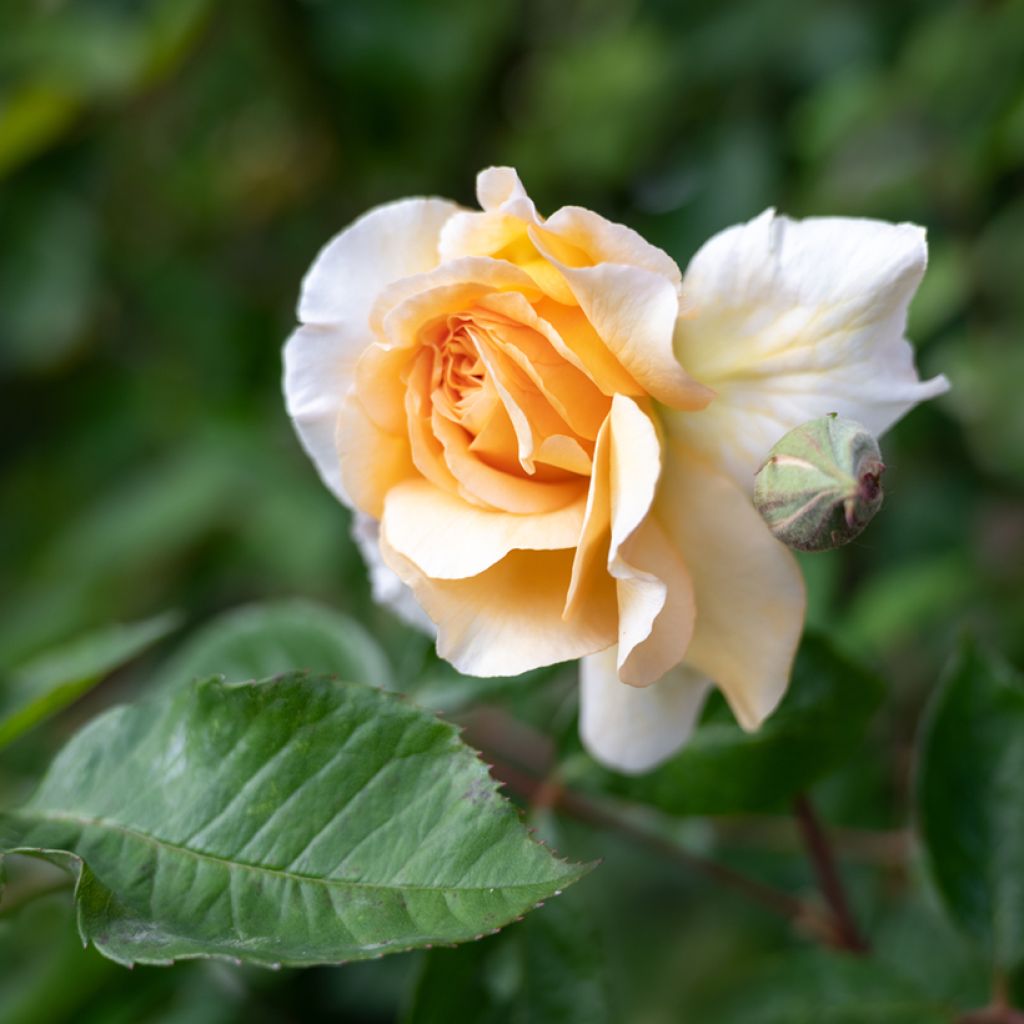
{"x":507,"y":440}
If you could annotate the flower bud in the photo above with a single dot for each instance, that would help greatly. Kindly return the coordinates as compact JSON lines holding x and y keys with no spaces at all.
{"x":820,"y":485}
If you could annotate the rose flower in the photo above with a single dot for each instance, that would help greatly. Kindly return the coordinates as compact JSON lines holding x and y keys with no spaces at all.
{"x":550,"y":435}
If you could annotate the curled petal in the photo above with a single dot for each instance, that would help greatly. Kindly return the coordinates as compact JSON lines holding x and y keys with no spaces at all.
{"x":604,"y":241}
{"x":448,"y":539}
{"x":484,"y":485}
{"x":631,"y":729}
{"x":750,"y":592}
{"x":790,"y":320}
{"x":508,"y":619}
{"x":634,"y":312}
{"x":621,"y":540}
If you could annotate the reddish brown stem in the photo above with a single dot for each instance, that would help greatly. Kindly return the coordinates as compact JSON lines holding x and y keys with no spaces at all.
{"x":552,"y":794}
{"x":826,"y":871}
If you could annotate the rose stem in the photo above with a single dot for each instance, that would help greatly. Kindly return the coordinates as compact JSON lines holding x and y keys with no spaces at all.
{"x":819,"y":850}
{"x":548,"y":793}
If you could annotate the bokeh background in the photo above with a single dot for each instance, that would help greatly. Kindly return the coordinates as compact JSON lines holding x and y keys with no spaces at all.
{"x":168,"y":170}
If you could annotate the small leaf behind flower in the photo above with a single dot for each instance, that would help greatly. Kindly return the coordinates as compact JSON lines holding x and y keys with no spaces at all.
{"x":970,"y":801}
{"x":53,"y":680}
{"x":261,"y":640}
{"x":724,"y":770}
{"x":297,"y":820}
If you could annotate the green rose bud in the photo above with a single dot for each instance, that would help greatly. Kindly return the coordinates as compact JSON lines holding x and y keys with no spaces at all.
{"x":820,"y":486}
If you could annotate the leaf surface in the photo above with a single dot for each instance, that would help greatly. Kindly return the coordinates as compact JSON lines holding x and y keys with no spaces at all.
{"x":297,"y":820}
{"x":970,"y":801}
{"x":262,"y":640}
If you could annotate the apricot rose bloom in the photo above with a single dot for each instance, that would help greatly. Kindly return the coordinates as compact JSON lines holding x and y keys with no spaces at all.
{"x":550,"y":435}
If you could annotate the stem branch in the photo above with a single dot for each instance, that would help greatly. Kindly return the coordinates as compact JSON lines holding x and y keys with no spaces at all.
{"x":550,"y":793}
{"x":829,"y":880}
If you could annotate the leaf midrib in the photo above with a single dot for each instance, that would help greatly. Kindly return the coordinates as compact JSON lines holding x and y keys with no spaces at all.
{"x":116,"y":826}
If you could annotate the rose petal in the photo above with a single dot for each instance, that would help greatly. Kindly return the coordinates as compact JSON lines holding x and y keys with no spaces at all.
{"x":371,"y":461}
{"x":634,"y":312}
{"x":483,"y":484}
{"x":541,"y":353}
{"x":319,"y":366}
{"x":404,"y":307}
{"x":604,"y":241}
{"x":498,"y":186}
{"x":631,"y":729}
{"x":388,"y":243}
{"x":619,"y":539}
{"x":795,"y":319}
{"x":749,"y":590}
{"x":448,"y":539}
{"x":656,"y":605}
{"x":508,"y":619}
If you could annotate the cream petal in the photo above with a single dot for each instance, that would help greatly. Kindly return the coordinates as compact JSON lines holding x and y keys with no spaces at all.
{"x":656,"y":611}
{"x":425,"y":450}
{"x":620,"y":540}
{"x":749,"y":590}
{"x":485,"y":485}
{"x":563,"y":452}
{"x":508,"y":619}
{"x":507,"y":210}
{"x":371,"y":461}
{"x":448,"y":539}
{"x":379,"y":381}
{"x":631,"y":729}
{"x":386,"y":244}
{"x":532,"y":415}
{"x":405,"y":306}
{"x":574,"y":338}
{"x":497,"y":186}
{"x":319,"y":365}
{"x":634,"y":312}
{"x":540,"y":352}
{"x":604,"y":241}
{"x":656,"y":605}
{"x":794,"y":319}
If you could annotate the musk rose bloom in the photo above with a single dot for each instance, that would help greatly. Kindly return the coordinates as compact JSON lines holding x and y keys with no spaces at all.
{"x":549,"y":435}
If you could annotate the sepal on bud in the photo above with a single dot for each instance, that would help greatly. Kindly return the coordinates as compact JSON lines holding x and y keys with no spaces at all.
{"x":821,"y":484}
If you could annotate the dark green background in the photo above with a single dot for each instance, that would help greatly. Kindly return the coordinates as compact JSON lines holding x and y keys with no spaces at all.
{"x":168,"y":170}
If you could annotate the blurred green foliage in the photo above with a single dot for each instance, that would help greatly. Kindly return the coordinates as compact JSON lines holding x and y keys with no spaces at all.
{"x":169,"y":169}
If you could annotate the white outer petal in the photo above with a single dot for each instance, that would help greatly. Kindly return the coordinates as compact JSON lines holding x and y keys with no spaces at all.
{"x":319,"y":364}
{"x":632,"y":729}
{"x":389,"y":242}
{"x":789,"y":320}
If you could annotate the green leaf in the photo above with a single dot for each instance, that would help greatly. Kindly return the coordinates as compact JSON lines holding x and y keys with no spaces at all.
{"x":552,"y":969}
{"x":970,"y":801}
{"x":296,"y":820}
{"x":724,"y":770}
{"x":263,"y":640}
{"x":824,"y":988}
{"x":565,"y":976}
{"x":52,"y":681}
{"x":461,"y":985}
